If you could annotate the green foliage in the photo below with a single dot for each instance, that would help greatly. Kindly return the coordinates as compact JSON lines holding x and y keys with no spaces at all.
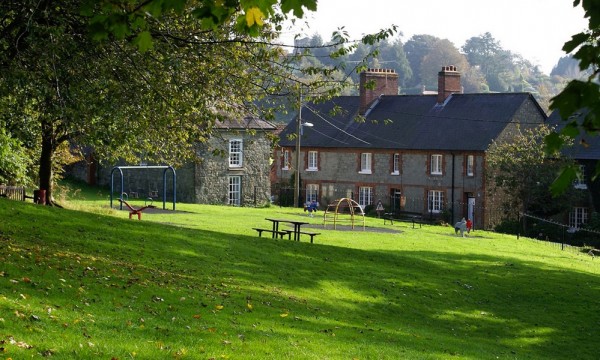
{"x":520,"y":170}
{"x":580,"y":95}
{"x":508,"y":226}
{"x":593,"y":222}
{"x":124,"y":18}
{"x":14,"y":161}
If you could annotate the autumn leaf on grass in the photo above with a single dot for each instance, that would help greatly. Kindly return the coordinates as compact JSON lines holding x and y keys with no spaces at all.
{"x":197,"y":316}
{"x":20,"y":344}
{"x":285,"y":314}
{"x":249,"y":306}
{"x":219,"y":307}
{"x":254,"y":16}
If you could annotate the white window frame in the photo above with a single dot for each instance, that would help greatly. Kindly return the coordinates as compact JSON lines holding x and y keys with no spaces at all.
{"x":365,"y":196}
{"x":396,"y":164}
{"x":579,"y":182}
{"x":286,"y":160}
{"x":578,"y":216}
{"x":470,"y":165}
{"x":435,"y":201}
{"x":312,"y":192}
{"x":234,"y":194}
{"x":436,"y":164}
{"x":313,"y":161}
{"x":366,"y":162}
{"x":236,"y":153}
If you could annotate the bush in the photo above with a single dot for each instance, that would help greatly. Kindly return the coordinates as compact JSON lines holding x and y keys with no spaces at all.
{"x":508,"y":227}
{"x":14,"y":161}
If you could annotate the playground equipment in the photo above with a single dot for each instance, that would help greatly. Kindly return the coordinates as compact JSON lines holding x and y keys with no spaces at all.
{"x":343,"y":210}
{"x":124,"y":194}
{"x":136,"y":211}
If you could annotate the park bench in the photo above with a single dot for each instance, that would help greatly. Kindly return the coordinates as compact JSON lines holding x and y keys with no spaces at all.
{"x":136,"y":211}
{"x":406,"y":216}
{"x":281,"y":233}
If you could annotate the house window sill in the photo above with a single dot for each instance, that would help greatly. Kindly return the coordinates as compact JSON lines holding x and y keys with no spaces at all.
{"x":395,"y":173}
{"x":312,"y":169}
{"x":365,"y":172}
{"x":285,"y":168}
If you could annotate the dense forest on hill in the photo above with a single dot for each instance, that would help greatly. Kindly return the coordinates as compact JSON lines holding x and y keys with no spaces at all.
{"x":485,"y":66}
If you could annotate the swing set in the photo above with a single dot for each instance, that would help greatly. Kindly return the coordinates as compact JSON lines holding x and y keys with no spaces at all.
{"x":150,"y":192}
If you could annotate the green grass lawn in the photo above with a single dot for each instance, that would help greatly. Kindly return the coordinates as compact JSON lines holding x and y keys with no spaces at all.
{"x":199,"y":284}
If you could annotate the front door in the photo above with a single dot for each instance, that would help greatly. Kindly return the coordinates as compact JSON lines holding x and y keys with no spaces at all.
{"x":471,"y":209}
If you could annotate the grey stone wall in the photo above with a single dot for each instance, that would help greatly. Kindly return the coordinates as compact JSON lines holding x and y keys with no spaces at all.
{"x":213,"y":171}
{"x":338,"y":176}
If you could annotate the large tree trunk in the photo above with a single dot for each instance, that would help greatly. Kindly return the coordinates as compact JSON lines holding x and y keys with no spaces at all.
{"x":45,"y":170}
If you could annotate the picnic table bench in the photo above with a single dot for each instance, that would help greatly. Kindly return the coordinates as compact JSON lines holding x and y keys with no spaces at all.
{"x":407,"y":216}
{"x":281,"y":233}
{"x":136,"y":211}
{"x":311,"y":234}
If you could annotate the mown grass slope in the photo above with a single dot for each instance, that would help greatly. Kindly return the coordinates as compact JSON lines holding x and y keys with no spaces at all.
{"x":199,"y":284}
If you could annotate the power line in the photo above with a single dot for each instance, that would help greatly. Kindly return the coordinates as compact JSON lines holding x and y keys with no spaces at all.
{"x":340,"y":129}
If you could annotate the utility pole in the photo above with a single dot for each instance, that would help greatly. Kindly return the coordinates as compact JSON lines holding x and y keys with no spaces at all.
{"x":298,"y":135}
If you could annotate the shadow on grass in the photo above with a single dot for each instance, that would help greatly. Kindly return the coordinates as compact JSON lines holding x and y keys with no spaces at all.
{"x":428,"y":302}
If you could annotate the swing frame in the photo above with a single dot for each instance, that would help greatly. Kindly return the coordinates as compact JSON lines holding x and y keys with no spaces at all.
{"x":144,"y":167}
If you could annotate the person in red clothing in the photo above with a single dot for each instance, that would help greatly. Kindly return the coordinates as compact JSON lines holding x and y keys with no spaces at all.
{"x":469,"y":225}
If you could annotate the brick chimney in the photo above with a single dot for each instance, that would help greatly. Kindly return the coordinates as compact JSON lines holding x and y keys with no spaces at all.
{"x":385,"y":81}
{"x":448,"y":83}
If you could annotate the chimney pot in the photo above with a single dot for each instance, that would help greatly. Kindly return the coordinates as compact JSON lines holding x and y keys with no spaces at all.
{"x":386,"y":83}
{"x":448,"y":83}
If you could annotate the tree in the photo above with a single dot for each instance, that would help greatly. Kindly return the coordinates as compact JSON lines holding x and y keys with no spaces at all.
{"x":111,"y":96}
{"x":579,"y":95}
{"x":495,"y":63}
{"x":392,"y":56}
{"x":521,"y":171}
{"x":140,"y":80}
{"x":568,"y":67}
{"x":442,"y":53}
{"x":480,"y":50}
{"x":416,"y":48}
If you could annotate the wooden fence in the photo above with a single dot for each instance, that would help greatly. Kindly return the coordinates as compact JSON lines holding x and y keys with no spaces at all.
{"x":13,"y":192}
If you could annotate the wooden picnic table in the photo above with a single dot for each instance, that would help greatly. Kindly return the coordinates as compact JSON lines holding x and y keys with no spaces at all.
{"x":297,"y":225}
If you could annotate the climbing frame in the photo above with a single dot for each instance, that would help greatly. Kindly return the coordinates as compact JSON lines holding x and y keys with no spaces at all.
{"x":343,"y":210}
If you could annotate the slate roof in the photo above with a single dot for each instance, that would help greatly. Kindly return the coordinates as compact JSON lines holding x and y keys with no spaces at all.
{"x":578,"y":151}
{"x":465,"y":122}
{"x":245,"y":123}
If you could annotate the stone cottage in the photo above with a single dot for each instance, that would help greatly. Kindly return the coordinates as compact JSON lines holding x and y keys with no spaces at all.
{"x":232,"y":167}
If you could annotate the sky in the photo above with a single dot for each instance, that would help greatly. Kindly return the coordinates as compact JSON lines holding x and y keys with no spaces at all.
{"x":535,"y":29}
